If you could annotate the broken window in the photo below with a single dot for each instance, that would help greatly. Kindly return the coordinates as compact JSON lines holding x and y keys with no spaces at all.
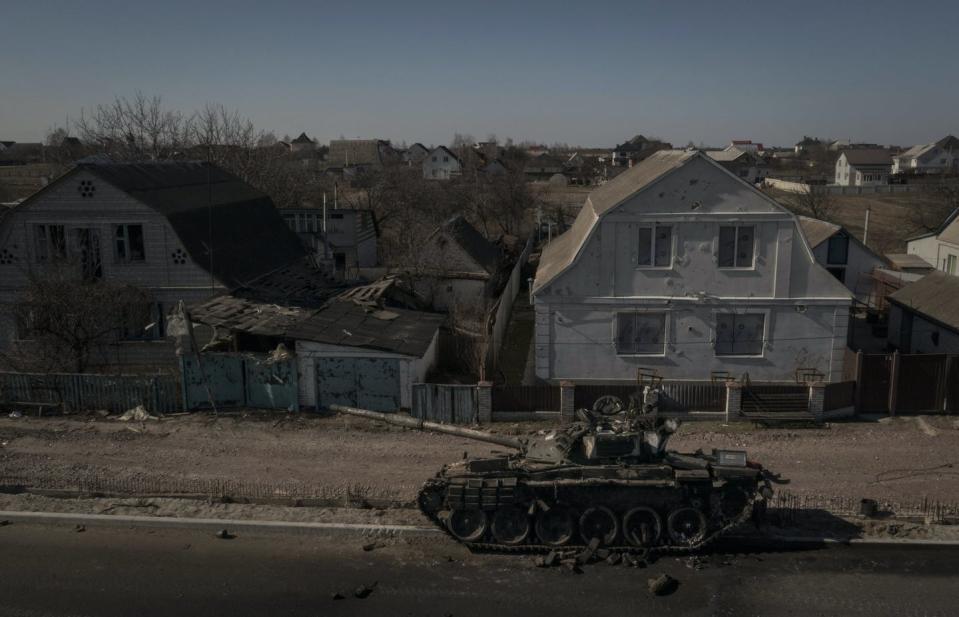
{"x":839,"y":273}
{"x":143,"y":322}
{"x":740,"y":335}
{"x":50,"y":242}
{"x":641,"y":333}
{"x":129,"y":243}
{"x":838,"y":253}
{"x":736,"y":246}
{"x":655,"y":246}
{"x":86,"y":249}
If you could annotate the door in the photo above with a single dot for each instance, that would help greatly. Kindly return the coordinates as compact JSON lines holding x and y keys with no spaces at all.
{"x":368,"y":383}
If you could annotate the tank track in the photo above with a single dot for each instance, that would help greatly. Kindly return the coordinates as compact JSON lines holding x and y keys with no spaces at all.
{"x":437,"y":485}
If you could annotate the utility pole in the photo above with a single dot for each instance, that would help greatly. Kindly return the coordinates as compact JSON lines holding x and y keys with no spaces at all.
{"x":865,"y":229}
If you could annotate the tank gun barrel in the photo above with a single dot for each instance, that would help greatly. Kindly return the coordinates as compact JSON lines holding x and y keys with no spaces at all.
{"x":426,"y":425}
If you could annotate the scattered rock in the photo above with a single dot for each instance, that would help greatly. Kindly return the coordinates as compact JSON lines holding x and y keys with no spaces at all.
{"x":4,"y":523}
{"x":602,"y":553}
{"x":662,"y":585}
{"x":614,"y":558}
{"x":338,"y":595}
{"x":16,"y":414}
{"x":587,"y":554}
{"x":224,"y":534}
{"x":369,"y":547}
{"x":696,"y":562}
{"x":79,"y":528}
{"x":550,"y":559}
{"x":363,"y":591}
{"x":103,"y":413}
{"x":571,"y":565}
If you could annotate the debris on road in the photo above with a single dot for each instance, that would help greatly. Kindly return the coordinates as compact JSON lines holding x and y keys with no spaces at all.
{"x":16,"y":414}
{"x":338,"y":595}
{"x":137,"y":414}
{"x":224,"y":534}
{"x":662,"y":585}
{"x":4,"y":523}
{"x":363,"y":591}
{"x":79,"y":528}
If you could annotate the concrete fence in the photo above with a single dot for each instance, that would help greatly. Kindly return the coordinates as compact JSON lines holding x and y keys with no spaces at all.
{"x":835,"y":189}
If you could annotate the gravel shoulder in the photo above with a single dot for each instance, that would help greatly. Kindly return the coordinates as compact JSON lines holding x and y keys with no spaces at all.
{"x":905,"y":459}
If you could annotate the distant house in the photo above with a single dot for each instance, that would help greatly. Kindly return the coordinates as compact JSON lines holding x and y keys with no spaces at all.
{"x":22,"y":153}
{"x":302,"y":144}
{"x":745,"y":164}
{"x":935,"y":158}
{"x":863,"y":167}
{"x":843,"y":256}
{"x":941,"y":247}
{"x":459,"y":268}
{"x":746,"y":145}
{"x":678,"y":266}
{"x":415,"y":154}
{"x":636,"y":149}
{"x":924,"y":315}
{"x":177,"y":230}
{"x":545,"y":167}
{"x":345,"y":240}
{"x":441,"y":164}
{"x":352,"y":156}
{"x":808,"y":143}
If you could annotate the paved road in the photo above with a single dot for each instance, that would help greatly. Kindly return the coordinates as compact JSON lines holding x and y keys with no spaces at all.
{"x":56,"y":571}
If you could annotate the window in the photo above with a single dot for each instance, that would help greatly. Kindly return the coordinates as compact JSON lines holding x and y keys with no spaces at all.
{"x":129,"y":243}
{"x":143,"y":323}
{"x":838,"y":251}
{"x":950,"y":265}
{"x":736,"y":246}
{"x":434,"y":159}
{"x":655,"y":246}
{"x":446,"y":159}
{"x":740,"y":335}
{"x":641,"y":333}
{"x":86,"y":250}
{"x":839,"y":273}
{"x":50,"y":241}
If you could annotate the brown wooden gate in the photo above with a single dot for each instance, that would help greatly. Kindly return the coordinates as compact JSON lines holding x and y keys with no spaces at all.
{"x":874,"y":383}
{"x":922,"y":383}
{"x":952,"y":385}
{"x":525,"y":398}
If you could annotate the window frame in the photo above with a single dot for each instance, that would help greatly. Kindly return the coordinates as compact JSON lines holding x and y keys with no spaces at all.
{"x":156,"y":333}
{"x":126,"y":242}
{"x":755,"y":250}
{"x":635,"y":312}
{"x":49,"y":252}
{"x":737,"y":313}
{"x":950,"y":264}
{"x":652,"y":246}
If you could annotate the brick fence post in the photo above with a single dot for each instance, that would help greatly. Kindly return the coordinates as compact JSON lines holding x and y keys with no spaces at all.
{"x":817,"y":396}
{"x":734,"y":399}
{"x":484,"y":402}
{"x":567,"y":393}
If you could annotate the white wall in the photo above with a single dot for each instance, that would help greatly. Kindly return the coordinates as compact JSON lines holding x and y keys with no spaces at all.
{"x":859,"y":267}
{"x":934,"y":250}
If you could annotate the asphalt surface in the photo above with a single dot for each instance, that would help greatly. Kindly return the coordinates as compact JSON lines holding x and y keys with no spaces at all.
{"x":57,"y":571}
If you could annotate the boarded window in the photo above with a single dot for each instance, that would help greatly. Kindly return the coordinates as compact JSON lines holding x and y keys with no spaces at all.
{"x":740,"y":335}
{"x":655,"y":247}
{"x":736,"y":246}
{"x":838,"y":253}
{"x":641,"y":333}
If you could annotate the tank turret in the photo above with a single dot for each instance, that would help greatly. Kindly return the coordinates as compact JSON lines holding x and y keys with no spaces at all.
{"x":606,"y":477}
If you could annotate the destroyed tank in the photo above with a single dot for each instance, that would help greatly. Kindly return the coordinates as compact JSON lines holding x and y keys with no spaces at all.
{"x":604,"y":480}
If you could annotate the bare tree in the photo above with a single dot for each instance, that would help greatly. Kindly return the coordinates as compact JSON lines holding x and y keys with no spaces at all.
{"x":934,"y":204}
{"x":134,"y":129}
{"x":815,"y":202}
{"x":69,"y":324}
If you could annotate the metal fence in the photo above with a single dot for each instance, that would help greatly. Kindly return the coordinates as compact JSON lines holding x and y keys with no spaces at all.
{"x":506,"y":398}
{"x":908,"y":383}
{"x":675,"y":396}
{"x":75,"y":392}
{"x":449,"y":403}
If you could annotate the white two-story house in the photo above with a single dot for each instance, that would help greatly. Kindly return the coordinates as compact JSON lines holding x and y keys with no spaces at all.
{"x":176,"y":230}
{"x":941,"y":247}
{"x":863,"y":167}
{"x":935,"y":158}
{"x":679,"y":267}
{"x":441,"y":164}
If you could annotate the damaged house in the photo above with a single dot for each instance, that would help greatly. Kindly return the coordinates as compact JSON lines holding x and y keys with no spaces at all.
{"x":176,"y":230}
{"x":355,"y":347}
{"x":680,"y":268}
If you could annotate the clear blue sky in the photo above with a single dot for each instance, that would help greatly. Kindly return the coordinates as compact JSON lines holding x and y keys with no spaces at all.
{"x":587,"y":73}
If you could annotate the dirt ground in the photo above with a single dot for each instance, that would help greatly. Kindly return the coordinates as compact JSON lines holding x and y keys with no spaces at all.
{"x":900,"y":460}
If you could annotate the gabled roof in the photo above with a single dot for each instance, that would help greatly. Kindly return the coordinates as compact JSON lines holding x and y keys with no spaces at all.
{"x":817,"y":231}
{"x":949,"y":142}
{"x":354,"y":152}
{"x":868,"y":157}
{"x":302,"y":139}
{"x":726,"y":155}
{"x":247,"y":235}
{"x":481,"y":250}
{"x":935,"y":296}
{"x":915,"y":151}
{"x":447,"y":151}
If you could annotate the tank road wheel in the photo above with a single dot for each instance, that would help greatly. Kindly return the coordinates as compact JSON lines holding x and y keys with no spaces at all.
{"x":467,"y":525}
{"x":733,"y":502}
{"x":599,"y":522}
{"x":686,"y":526}
{"x":555,"y":526}
{"x":642,"y":526}
{"x":510,"y":525}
